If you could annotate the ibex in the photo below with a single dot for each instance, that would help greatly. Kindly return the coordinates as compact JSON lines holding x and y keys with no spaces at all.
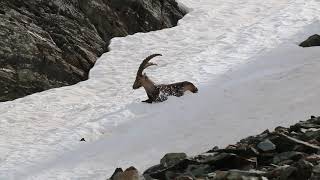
{"x":159,"y":93}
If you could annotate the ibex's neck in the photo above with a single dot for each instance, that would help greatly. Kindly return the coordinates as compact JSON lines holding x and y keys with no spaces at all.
{"x":149,"y":86}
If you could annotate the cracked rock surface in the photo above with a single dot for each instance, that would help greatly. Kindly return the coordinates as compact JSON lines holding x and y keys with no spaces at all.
{"x":52,"y":43}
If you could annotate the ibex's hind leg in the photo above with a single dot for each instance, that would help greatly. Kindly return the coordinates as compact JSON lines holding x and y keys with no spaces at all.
{"x":188,"y":86}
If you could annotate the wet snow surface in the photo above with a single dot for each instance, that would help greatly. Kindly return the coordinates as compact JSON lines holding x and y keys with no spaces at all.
{"x":242,"y":55}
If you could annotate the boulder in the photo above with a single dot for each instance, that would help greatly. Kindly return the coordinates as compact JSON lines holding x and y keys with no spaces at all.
{"x":129,"y":174}
{"x":230,"y":161}
{"x":313,"y":158}
{"x":298,"y":171}
{"x":266,"y":145}
{"x":172,"y":159}
{"x":183,"y":178}
{"x":239,"y":175}
{"x":290,"y":155}
{"x":116,"y":173}
{"x":184,"y":166}
{"x":304,"y":169}
{"x":313,"y":40}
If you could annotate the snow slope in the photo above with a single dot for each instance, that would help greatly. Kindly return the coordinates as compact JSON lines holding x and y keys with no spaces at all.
{"x":242,"y":55}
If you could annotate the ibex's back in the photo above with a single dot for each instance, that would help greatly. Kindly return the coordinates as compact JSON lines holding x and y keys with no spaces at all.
{"x":159,"y":93}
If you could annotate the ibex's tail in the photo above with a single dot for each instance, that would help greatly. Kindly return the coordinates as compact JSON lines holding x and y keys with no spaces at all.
{"x":195,"y":90}
{"x":188,"y":86}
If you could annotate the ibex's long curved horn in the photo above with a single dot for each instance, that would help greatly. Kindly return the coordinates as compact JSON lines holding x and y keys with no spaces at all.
{"x":145,"y":63}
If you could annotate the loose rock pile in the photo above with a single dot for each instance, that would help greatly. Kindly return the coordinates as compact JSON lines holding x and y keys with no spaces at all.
{"x":284,"y":154}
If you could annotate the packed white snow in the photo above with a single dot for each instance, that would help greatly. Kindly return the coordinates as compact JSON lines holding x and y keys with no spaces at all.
{"x":242,"y":55}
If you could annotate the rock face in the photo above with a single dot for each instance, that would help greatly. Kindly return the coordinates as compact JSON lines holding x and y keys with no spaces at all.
{"x":52,"y":43}
{"x":313,"y":40}
{"x":284,"y":154}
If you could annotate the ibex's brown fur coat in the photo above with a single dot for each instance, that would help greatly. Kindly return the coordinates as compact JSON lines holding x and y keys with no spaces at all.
{"x":159,"y":93}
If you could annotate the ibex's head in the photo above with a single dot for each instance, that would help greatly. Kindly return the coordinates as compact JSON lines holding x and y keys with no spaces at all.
{"x":141,"y":78}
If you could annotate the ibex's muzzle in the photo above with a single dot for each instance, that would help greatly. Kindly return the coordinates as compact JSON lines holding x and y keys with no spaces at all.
{"x":136,"y":85}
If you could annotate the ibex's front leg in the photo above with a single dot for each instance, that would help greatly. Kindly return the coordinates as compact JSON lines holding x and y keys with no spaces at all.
{"x":148,"y":100}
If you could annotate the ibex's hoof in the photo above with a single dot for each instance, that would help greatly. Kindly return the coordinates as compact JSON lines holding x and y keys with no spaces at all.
{"x":147,"y":101}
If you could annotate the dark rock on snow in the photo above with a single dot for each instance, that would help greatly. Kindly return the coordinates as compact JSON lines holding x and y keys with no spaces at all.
{"x":172,"y":158}
{"x":313,"y":40}
{"x":52,"y":43}
{"x":284,"y":154}
{"x":129,"y":174}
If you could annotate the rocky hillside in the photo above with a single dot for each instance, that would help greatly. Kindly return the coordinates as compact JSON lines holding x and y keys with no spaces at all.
{"x":52,"y":43}
{"x":283,"y":154}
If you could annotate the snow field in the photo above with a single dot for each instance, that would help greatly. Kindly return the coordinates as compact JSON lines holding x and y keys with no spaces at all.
{"x":39,"y":134}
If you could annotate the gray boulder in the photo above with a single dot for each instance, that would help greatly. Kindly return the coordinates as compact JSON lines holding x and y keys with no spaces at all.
{"x":172,"y":159}
{"x":129,"y":174}
{"x":266,"y":145}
